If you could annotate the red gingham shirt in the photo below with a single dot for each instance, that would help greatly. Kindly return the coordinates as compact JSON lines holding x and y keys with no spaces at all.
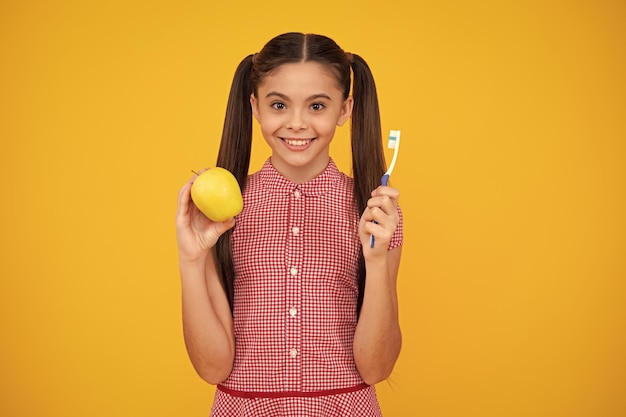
{"x":295,"y":295}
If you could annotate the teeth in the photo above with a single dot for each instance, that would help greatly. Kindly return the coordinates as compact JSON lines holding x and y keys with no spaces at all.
{"x":297,"y":142}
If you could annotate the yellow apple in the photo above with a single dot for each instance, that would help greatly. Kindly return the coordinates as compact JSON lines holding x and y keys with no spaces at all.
{"x":216,"y":193}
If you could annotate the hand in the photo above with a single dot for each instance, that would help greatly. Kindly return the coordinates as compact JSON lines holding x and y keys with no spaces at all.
{"x":195,"y":233}
{"x":383,"y":208}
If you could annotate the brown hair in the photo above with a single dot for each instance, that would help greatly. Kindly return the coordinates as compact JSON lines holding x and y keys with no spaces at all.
{"x":368,"y":162}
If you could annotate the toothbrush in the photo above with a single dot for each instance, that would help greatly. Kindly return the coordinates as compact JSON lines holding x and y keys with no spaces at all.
{"x":393,"y":143}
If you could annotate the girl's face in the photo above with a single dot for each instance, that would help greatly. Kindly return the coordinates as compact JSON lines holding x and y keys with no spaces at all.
{"x":299,"y":107}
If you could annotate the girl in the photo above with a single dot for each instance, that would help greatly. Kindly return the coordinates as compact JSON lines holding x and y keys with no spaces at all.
{"x":292,"y":312}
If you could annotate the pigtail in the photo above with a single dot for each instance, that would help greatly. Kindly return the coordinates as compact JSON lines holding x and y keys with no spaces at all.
{"x":236,"y":143}
{"x":234,"y":155}
{"x":368,"y":159}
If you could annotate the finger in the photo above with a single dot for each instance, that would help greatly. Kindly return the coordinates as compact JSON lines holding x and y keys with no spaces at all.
{"x":385,"y":203}
{"x":390,"y":206}
{"x":367,"y":215}
{"x":386,"y":192}
{"x":184,"y":194}
{"x":184,"y":197}
{"x":378,"y":215}
{"x":380,"y":232}
{"x":390,"y":192}
{"x":222,"y":227}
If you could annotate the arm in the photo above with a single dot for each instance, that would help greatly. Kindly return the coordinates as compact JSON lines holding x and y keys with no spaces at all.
{"x":207,"y":320}
{"x":377,"y":340}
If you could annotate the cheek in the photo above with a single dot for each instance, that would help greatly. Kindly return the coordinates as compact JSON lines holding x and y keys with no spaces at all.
{"x":269,"y":125}
{"x":327,"y":126}
{"x":269,"y":129}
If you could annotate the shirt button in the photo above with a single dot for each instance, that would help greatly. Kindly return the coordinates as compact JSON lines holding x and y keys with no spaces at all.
{"x":293,"y":271}
{"x":295,"y":231}
{"x":293,"y":353}
{"x":296,"y":194}
{"x":293,"y":311}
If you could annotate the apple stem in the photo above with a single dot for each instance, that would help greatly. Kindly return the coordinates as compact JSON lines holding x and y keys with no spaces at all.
{"x":194,"y":172}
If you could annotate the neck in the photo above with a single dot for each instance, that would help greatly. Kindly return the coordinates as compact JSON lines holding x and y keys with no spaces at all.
{"x":301,"y":174}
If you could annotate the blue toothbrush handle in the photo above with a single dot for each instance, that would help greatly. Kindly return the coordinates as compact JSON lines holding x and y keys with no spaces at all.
{"x":384,"y":181}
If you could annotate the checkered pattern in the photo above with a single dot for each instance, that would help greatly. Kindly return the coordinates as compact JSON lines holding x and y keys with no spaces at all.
{"x":362,"y":403}
{"x":295,"y":249}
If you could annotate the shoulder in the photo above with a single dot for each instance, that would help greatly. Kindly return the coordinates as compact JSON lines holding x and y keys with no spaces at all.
{"x":252,"y":182}
{"x":343,"y":189}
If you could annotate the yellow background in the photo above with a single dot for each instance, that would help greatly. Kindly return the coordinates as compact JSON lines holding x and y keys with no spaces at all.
{"x":511,"y":168}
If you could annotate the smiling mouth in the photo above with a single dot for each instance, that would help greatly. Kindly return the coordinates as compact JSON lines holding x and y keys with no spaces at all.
{"x":296,"y":142}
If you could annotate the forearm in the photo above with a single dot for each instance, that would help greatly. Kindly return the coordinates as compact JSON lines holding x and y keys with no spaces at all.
{"x":378,"y":339}
{"x":207,"y":321}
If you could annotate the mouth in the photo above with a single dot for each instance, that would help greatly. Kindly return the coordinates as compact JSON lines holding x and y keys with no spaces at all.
{"x":296,"y":142}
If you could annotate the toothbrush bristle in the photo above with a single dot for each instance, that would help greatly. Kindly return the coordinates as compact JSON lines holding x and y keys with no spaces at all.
{"x":393,"y":139}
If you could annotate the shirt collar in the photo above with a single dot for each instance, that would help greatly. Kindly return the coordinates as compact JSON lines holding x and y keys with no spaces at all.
{"x":274,"y":182}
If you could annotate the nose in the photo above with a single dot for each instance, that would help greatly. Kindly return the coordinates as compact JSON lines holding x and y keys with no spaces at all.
{"x":296,"y":121}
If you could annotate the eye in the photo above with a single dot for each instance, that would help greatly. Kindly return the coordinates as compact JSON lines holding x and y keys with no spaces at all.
{"x":278,"y":105}
{"x":317,"y":106}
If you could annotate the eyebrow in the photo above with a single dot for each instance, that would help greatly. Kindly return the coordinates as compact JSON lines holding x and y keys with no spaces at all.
{"x":284,"y":97}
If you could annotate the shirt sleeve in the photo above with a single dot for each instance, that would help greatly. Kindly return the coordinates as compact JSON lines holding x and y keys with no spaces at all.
{"x":398,"y":235}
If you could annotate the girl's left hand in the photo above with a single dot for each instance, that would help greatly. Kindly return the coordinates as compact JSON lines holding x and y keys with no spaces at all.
{"x":383,"y":208}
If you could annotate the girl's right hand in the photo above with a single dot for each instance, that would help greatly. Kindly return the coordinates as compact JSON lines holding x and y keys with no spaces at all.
{"x":195,"y":233}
